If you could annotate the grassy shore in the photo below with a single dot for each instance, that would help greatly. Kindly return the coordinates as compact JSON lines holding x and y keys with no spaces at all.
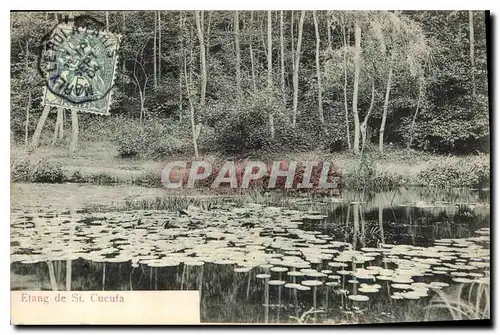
{"x":99,"y":163}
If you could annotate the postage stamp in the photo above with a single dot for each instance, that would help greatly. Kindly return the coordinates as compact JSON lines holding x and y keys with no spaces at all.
{"x":79,"y":66}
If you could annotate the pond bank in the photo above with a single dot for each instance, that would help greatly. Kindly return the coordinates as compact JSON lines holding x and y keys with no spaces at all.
{"x":395,"y":168}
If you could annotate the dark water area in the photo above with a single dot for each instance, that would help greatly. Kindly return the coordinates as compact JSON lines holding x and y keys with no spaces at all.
{"x":358,"y":258}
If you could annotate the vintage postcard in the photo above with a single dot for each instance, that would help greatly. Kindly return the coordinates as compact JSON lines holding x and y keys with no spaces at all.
{"x":249,"y":167}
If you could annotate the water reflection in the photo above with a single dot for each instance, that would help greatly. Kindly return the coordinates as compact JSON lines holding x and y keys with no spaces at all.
{"x":356,"y":258}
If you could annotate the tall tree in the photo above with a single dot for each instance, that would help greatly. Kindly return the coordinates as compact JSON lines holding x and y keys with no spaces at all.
{"x":195,"y":129}
{"x":386,"y":104}
{"x":318,"y":72}
{"x":155,"y":80}
{"x":402,"y":42}
{"x":238,"y":54}
{"x":296,"y":64}
{"x":28,"y":105}
{"x":270,"y":66}
{"x":201,"y":39}
{"x":357,"y":69}
{"x":364,"y":124}
{"x":471,"y":46}
{"x":346,"y":108}
{"x":252,"y":60}
{"x":282,"y":59}
{"x":159,"y":46}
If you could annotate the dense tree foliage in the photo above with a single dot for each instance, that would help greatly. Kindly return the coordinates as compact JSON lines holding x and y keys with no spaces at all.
{"x":283,"y":80}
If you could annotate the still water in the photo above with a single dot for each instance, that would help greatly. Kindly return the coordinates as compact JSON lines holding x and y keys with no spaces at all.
{"x":360,"y":257}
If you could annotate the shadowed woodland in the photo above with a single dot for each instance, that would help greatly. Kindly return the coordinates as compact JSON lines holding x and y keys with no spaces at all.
{"x":242,"y":81}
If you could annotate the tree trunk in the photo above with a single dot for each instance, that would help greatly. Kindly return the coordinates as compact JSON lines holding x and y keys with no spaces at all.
{"x":74,"y":136}
{"x":318,"y":72}
{"x":364,"y":124}
{"x":348,"y":131}
{"x":238,"y":56}
{"x":357,"y":69}
{"x":191,"y":105}
{"x":39,"y":127}
{"x":201,"y":39}
{"x":270,"y":66}
{"x":26,"y":69}
{"x":159,"y":46}
{"x":282,"y":59}
{"x":181,"y":65}
{"x":252,"y":61}
{"x":123,"y":61}
{"x":386,"y":107}
{"x":26,"y":125}
{"x":296,"y":70}
{"x":58,"y":129}
{"x":207,"y":37}
{"x":107,"y":21}
{"x":329,"y":31}
{"x":155,"y":81}
{"x":472,"y":62}
{"x":414,"y":119}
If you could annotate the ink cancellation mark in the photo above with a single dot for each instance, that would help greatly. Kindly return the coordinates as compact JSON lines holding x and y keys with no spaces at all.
{"x":79,"y":66}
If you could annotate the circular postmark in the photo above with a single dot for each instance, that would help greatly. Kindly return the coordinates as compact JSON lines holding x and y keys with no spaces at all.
{"x":79,"y":63}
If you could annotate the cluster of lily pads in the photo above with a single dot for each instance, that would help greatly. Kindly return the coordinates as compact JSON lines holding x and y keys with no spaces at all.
{"x":265,"y":242}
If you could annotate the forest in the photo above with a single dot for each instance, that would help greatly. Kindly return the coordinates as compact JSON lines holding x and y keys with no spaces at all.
{"x":242,"y":83}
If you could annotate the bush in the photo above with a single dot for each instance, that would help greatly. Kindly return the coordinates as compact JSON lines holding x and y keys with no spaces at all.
{"x":48,"y":172}
{"x":20,"y":170}
{"x":156,"y":138}
{"x":366,"y":175}
{"x":473,"y":172}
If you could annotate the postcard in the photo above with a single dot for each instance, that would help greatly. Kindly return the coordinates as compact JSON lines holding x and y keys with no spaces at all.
{"x":245,"y":167}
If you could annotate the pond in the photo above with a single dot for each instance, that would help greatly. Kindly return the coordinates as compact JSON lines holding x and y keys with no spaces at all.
{"x":361,"y":257}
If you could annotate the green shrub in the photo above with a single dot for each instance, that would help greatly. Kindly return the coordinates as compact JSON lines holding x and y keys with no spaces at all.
{"x":48,"y":172}
{"x":20,"y":170}
{"x":366,"y":175}
{"x":472,"y":172}
{"x":156,"y":138}
{"x":148,"y":179}
{"x":101,"y":178}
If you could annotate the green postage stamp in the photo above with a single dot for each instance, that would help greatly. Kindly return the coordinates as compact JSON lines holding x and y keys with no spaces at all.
{"x":79,"y":66}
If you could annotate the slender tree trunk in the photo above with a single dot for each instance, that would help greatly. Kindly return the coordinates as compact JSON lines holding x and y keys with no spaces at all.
{"x":318,"y":72}
{"x":123,"y":61}
{"x":181,"y":65}
{"x":414,"y":119}
{"x":207,"y":37}
{"x":364,"y":124}
{"x":296,"y":70}
{"x":58,"y":128}
{"x":74,"y":135}
{"x":472,"y":62}
{"x":386,"y":107}
{"x":191,"y":105}
{"x":26,"y":69}
{"x":238,"y":56}
{"x":282,"y":58}
{"x":270,"y":66}
{"x":252,"y":60}
{"x":107,"y":21}
{"x":159,"y":46}
{"x":357,"y":69}
{"x":348,"y":131}
{"x":39,"y":127}
{"x":155,"y":79}
{"x":201,"y":39}
{"x":26,"y":125}
{"x":329,"y":30}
